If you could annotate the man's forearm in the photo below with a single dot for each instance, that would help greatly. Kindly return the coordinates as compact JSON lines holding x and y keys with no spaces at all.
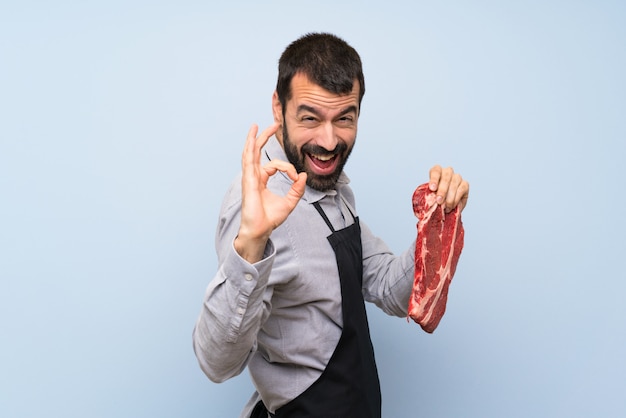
{"x":231,"y":316}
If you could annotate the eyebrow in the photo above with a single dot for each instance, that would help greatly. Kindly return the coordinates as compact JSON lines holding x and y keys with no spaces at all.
{"x":306,"y":108}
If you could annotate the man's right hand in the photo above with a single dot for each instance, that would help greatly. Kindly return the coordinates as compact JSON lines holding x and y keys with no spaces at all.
{"x":261,"y":210}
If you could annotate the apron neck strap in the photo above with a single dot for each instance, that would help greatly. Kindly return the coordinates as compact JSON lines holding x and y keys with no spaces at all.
{"x":321,"y":212}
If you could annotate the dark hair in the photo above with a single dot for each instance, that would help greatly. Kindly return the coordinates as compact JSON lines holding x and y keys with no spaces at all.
{"x":325,"y":59}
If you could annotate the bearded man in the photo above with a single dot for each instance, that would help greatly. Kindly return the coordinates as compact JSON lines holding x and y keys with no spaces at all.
{"x":295,"y":262}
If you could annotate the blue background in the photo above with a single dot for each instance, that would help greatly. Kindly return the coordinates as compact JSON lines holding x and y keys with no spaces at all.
{"x":122,"y":123}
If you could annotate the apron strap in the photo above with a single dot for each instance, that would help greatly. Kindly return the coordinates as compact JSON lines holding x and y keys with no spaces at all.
{"x":260,"y":411}
{"x":321,"y":212}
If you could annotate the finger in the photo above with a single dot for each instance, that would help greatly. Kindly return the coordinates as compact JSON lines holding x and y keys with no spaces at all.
{"x":251,"y":158}
{"x":460,"y":194}
{"x":296,"y":192}
{"x":435,"y":175}
{"x":248,"y":149}
{"x":444,"y":184}
{"x":464,"y":191}
{"x":252,"y":148}
{"x":279,"y":165}
{"x":452,"y":197}
{"x":265,"y":135}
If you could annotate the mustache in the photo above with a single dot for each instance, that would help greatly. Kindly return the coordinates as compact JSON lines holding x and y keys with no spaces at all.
{"x":316,"y":149}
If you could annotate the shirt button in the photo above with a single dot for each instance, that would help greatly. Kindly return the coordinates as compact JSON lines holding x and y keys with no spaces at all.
{"x":248,"y":276}
{"x":241,"y":311}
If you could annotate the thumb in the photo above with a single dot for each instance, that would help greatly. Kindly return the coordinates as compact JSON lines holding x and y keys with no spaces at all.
{"x":296,"y":192}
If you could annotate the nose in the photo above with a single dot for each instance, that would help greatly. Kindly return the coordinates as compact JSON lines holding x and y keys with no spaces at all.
{"x":327,"y":137}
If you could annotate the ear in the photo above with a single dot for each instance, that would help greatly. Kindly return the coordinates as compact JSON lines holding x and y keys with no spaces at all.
{"x":277,"y":109}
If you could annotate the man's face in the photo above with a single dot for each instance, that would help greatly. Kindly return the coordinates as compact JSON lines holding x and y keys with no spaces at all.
{"x":318,"y":130}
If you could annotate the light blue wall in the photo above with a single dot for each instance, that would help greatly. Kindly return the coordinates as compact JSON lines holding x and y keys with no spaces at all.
{"x":122,"y":123}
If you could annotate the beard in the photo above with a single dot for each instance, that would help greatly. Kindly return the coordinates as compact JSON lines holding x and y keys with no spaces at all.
{"x":297,"y":159}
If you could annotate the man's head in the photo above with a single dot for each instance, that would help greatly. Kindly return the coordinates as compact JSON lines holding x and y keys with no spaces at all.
{"x":317,"y":103}
{"x":326,"y":60}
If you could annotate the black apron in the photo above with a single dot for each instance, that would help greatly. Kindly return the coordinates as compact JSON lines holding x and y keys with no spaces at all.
{"x":349,"y":386}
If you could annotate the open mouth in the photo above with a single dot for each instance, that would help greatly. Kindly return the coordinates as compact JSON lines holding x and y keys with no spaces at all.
{"x":323,"y":164}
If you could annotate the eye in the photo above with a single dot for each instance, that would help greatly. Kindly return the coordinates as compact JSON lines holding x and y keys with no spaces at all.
{"x":346,"y":120}
{"x":308,"y":119}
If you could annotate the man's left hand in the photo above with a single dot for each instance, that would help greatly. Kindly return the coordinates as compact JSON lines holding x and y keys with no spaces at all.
{"x":452,"y":190}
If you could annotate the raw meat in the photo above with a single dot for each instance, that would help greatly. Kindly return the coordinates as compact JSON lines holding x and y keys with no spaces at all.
{"x":437,"y":251}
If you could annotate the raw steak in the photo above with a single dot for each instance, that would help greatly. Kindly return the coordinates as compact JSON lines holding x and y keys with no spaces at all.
{"x":437,"y":251}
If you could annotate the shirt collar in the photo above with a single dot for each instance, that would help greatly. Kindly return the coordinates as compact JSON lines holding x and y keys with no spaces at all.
{"x":273,"y":150}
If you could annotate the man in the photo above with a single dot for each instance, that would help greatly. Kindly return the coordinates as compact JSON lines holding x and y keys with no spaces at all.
{"x":295,"y":263}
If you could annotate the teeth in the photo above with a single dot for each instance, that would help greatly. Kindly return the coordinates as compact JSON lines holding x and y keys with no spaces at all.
{"x":322,"y":157}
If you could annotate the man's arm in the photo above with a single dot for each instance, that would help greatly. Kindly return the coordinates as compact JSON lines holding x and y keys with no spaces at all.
{"x":237,"y":299}
{"x":388,"y":279}
{"x":233,"y":308}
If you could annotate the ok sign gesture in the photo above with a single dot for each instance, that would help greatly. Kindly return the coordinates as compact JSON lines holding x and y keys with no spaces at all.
{"x":261,"y":210}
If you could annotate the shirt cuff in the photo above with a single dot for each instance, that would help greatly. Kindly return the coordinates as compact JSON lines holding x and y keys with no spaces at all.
{"x":246,"y":276}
